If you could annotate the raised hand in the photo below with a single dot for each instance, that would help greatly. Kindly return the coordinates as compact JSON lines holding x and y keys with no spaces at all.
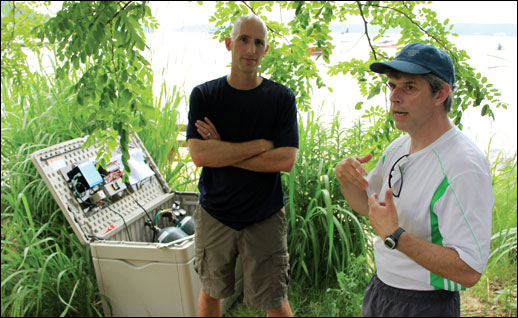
{"x":351,"y":171}
{"x":383,"y":215}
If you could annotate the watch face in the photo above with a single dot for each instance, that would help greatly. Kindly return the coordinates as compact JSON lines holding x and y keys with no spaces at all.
{"x":389,"y":242}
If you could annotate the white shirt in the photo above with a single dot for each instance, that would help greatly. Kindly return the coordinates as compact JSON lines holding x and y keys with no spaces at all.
{"x":446,"y":198}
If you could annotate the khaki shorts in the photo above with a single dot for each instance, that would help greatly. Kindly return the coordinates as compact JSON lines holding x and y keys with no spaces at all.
{"x":264,"y":258}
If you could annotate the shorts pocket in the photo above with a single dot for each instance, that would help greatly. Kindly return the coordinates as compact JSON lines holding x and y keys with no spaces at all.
{"x":198,"y":263}
{"x":282,"y":266}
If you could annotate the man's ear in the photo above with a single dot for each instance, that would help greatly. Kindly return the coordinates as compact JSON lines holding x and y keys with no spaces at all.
{"x":442,"y":94}
{"x":228,"y":43}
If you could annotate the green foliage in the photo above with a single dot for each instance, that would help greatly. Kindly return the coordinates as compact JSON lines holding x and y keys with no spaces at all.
{"x":45,"y":270}
{"x":324,"y":235}
{"x":103,"y":41}
{"x":289,"y":60}
{"x":17,"y":20}
{"x":348,"y":298}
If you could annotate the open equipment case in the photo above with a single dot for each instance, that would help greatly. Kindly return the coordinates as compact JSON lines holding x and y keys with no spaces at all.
{"x":140,"y":232}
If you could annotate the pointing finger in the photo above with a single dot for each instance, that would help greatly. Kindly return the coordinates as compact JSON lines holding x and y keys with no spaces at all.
{"x":365,"y":158}
{"x":373,"y":200}
{"x":388,"y":197}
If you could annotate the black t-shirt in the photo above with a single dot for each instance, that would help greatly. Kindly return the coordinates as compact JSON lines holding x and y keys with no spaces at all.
{"x":234,"y":196}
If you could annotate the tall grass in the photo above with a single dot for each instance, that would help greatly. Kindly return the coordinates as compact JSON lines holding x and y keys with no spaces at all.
{"x":498,"y":284}
{"x":164,"y":140}
{"x":324,"y":235}
{"x":45,"y":269}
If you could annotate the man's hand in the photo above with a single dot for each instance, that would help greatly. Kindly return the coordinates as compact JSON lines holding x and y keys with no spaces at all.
{"x":351,"y":175}
{"x":213,"y":152}
{"x":383,"y":215}
{"x":351,"y":171}
{"x":443,"y":261}
{"x":207,"y":129}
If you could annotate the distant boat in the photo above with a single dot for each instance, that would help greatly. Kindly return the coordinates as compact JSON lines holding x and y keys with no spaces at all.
{"x":386,"y":42}
{"x":317,"y":51}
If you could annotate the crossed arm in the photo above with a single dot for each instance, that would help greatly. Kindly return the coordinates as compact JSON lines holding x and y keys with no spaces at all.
{"x":256,"y":155}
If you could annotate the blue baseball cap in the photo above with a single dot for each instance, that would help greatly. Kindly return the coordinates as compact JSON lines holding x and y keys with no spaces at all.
{"x":419,"y":58}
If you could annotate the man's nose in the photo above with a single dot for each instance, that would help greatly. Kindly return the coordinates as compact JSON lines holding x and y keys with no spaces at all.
{"x":395,"y":95}
{"x":250,"y":48}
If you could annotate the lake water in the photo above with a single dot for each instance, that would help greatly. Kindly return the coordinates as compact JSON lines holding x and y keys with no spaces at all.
{"x":186,"y":59}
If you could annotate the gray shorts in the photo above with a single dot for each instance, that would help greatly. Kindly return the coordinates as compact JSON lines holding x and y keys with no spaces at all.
{"x":382,"y":300}
{"x":264,"y":259}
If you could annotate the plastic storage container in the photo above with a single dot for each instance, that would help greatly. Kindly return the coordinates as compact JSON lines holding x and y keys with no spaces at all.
{"x":137,"y":276}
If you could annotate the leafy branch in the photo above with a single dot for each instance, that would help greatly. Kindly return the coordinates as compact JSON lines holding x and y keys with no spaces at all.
{"x":291,"y":65}
{"x":102,"y":41}
{"x":366,"y":31}
{"x":435,"y":38}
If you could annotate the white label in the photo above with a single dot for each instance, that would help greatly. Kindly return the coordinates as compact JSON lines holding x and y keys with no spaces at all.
{"x":56,"y":163}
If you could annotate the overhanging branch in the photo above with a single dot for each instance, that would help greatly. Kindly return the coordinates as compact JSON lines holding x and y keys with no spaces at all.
{"x":366,"y":31}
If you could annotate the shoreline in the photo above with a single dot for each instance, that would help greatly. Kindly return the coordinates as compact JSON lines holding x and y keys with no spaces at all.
{"x":196,"y":58}
{"x":186,"y":59}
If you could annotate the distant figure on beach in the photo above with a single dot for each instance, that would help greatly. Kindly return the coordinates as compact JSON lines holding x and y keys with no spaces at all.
{"x":429,"y":198}
{"x":243,"y":131}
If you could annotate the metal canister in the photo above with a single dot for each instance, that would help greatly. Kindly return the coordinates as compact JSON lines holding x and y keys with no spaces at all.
{"x":170,"y":234}
{"x":187,"y":225}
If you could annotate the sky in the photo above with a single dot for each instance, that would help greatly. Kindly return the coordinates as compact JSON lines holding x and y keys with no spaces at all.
{"x":178,"y":14}
{"x":181,"y":13}
{"x":175,"y":14}
{"x":476,"y":12}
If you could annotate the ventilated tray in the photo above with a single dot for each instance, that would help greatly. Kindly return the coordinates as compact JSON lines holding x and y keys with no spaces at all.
{"x":104,"y":224}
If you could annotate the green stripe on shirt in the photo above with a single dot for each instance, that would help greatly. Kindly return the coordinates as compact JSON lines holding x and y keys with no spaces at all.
{"x":437,"y":281}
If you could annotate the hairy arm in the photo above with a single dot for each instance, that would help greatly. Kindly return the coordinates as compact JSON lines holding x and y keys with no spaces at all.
{"x":257,"y":155}
{"x":440,"y":260}
{"x":217,"y":153}
{"x":278,"y":159}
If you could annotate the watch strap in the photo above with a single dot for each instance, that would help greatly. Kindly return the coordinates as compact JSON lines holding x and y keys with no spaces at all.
{"x":394,"y":237}
{"x":398,"y":233}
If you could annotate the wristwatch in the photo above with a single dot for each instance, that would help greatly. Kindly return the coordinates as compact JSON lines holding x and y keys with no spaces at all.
{"x":391,"y":240}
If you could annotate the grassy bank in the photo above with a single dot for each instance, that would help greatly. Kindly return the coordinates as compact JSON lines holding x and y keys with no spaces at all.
{"x":493,"y":296}
{"x":47,"y":272}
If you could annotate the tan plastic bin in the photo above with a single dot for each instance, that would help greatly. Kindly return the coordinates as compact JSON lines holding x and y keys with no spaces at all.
{"x":137,"y":277}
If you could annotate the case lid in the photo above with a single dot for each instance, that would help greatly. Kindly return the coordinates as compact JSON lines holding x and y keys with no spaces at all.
{"x":150,"y":188}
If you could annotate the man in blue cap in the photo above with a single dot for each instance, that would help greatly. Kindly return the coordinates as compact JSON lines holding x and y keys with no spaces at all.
{"x":429,"y":198}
